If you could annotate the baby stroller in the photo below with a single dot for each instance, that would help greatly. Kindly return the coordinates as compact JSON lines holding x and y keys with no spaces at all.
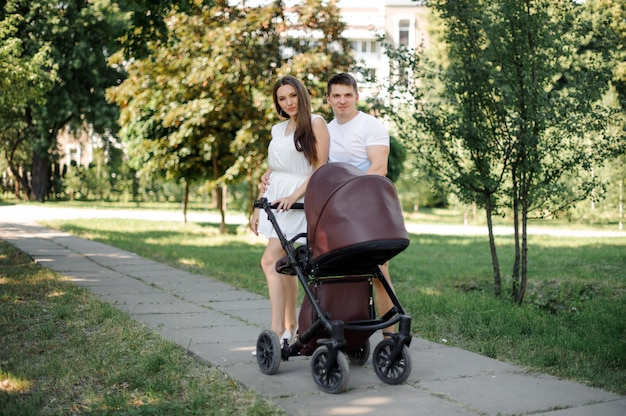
{"x":355,"y":224}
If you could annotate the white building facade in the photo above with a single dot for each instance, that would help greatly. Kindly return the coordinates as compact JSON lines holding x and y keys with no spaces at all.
{"x":401,"y":22}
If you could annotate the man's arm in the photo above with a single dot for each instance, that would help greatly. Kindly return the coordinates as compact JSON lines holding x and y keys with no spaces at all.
{"x":378,"y":156}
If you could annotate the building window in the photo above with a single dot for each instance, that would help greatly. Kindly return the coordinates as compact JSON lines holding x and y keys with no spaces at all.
{"x":73,"y":155}
{"x":364,"y":47}
{"x":373,"y":46}
{"x":404,"y":27}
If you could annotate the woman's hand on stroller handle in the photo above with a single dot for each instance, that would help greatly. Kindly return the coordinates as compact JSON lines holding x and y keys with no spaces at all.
{"x":263,"y":203}
{"x":283,"y":204}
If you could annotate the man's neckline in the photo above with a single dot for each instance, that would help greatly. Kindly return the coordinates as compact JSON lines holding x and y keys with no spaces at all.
{"x":349,"y":120}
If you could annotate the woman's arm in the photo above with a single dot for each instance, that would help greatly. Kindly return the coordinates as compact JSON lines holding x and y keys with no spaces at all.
{"x":322,"y":144}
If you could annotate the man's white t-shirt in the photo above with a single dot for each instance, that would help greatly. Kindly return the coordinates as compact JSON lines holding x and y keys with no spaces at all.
{"x":348,"y":141}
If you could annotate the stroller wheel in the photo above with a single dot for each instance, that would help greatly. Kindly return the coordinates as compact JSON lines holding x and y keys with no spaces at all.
{"x":268,"y":352}
{"x":335,"y":379}
{"x":389,"y":370}
{"x":360,"y":355}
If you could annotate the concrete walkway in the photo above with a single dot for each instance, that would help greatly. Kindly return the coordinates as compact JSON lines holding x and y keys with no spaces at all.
{"x":220,"y":324}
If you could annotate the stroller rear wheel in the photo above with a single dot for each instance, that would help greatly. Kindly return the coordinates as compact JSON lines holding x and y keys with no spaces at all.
{"x":388,"y":369}
{"x":360,"y":355}
{"x":268,"y":352}
{"x":335,"y":379}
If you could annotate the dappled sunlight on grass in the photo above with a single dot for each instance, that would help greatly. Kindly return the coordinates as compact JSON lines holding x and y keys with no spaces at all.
{"x":430,"y":291}
{"x":55,"y":294}
{"x":190,"y":262}
{"x":13,"y":384}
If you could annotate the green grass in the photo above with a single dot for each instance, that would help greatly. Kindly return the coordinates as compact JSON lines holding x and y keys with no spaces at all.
{"x":571,"y":325}
{"x":64,"y":352}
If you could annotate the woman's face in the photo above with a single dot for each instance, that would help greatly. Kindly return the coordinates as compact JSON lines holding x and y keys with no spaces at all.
{"x":287,"y":99}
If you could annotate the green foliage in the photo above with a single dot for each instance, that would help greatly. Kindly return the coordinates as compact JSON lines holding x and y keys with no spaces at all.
{"x":27,"y":73}
{"x":73,"y":40}
{"x":146,"y":22}
{"x":397,"y":155}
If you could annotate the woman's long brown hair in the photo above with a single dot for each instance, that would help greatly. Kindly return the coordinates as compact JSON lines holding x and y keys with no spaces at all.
{"x":303,"y":137}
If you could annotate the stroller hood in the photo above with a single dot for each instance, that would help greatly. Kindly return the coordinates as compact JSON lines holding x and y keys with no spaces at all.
{"x":354,"y":220}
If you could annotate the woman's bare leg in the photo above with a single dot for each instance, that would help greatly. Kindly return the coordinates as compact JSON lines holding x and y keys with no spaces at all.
{"x":291,"y":295}
{"x":282,"y":289}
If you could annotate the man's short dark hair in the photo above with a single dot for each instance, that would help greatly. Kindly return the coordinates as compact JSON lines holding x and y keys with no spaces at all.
{"x":342,"y":79}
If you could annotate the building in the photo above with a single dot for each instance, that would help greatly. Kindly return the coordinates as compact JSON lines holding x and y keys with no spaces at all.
{"x":401,"y":22}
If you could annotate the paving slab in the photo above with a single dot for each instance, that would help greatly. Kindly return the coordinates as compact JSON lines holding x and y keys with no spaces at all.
{"x":376,"y":401}
{"x":219,"y":324}
{"x":610,"y":408}
{"x":525,"y":393}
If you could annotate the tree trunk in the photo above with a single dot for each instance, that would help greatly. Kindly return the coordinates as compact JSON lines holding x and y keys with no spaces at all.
{"x":621,"y":205}
{"x":40,"y":177}
{"x":516,"y":238}
{"x":219,"y":197}
{"x":497,"y":285}
{"x":185,"y":201}
{"x":20,"y":184}
{"x":524,"y":277}
{"x":220,"y":207}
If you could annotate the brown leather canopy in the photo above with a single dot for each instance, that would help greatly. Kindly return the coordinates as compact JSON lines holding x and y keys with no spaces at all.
{"x":354,"y":220}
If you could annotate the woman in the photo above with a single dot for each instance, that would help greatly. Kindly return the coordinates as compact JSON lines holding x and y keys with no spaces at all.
{"x":298,"y":147}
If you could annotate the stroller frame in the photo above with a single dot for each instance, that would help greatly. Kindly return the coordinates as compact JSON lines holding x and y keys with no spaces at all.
{"x":329,"y":364}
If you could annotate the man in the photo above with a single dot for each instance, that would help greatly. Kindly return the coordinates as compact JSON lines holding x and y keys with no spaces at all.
{"x":363,"y":141}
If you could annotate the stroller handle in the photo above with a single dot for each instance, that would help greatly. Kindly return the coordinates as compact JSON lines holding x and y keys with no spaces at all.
{"x":263,"y":203}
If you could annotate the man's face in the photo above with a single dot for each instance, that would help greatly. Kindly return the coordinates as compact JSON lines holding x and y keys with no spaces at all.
{"x":342,"y":99}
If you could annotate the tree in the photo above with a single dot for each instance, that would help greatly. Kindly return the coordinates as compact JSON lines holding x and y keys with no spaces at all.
{"x":200,"y":105}
{"x":24,"y":82}
{"x":608,"y":22}
{"x":78,"y":37}
{"x":513,"y":113}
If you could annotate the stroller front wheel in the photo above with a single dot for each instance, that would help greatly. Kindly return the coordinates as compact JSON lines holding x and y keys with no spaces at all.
{"x":330,"y":377}
{"x":268,"y":352}
{"x":389,"y":369}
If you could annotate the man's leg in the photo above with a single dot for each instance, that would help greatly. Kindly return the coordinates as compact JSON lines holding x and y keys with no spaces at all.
{"x":381,"y":297}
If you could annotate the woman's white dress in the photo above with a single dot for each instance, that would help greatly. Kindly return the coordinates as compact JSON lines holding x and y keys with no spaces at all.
{"x":289,"y":169}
